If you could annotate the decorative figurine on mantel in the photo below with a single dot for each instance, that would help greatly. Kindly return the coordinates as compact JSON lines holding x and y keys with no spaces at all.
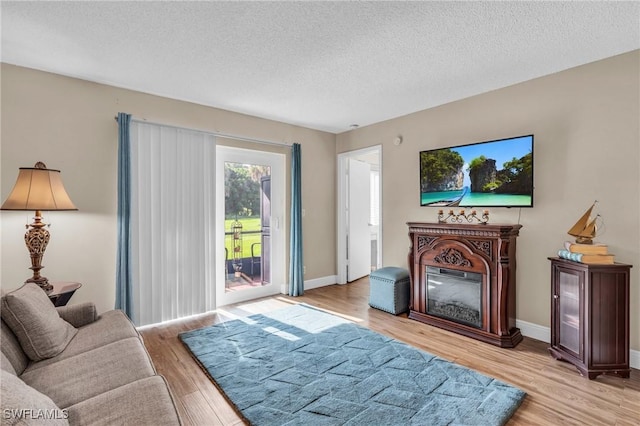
{"x":462,"y":216}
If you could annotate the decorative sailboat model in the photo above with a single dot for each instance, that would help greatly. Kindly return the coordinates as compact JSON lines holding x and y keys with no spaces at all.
{"x":585,"y":228}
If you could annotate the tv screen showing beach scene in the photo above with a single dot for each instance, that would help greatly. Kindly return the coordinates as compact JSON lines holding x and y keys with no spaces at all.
{"x":495,"y":173}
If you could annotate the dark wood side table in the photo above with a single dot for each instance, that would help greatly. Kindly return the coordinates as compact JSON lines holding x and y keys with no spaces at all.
{"x":62,"y":292}
{"x":590,"y":316}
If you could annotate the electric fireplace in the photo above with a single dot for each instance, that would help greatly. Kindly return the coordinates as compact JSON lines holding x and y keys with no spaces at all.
{"x":463,"y":279}
{"x":455,"y":295}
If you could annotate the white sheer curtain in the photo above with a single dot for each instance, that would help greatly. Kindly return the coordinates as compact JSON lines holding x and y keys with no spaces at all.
{"x":172,"y":223}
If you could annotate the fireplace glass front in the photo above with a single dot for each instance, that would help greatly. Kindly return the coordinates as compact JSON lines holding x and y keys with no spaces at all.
{"x":455,"y":295}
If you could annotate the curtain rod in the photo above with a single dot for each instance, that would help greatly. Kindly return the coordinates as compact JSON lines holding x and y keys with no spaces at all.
{"x":218,"y":134}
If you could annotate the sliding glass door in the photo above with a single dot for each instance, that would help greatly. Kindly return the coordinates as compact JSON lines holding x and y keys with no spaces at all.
{"x":250,"y":219}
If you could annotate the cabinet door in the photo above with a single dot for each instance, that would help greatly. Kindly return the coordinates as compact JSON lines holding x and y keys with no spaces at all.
{"x":568,"y":311}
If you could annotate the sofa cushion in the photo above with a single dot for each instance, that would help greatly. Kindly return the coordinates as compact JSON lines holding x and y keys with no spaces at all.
{"x":12,"y":350}
{"x":35,"y":322}
{"x":91,"y":373}
{"x":108,"y":328}
{"x":144,"y":402}
{"x":78,"y":315}
{"x":6,"y":365}
{"x":23,"y":405}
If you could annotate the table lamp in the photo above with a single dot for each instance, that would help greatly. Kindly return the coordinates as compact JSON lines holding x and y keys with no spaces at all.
{"x":38,"y":188}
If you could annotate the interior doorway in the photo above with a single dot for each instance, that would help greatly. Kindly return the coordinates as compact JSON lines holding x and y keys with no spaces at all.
{"x":359,"y":216}
{"x":251,"y":213}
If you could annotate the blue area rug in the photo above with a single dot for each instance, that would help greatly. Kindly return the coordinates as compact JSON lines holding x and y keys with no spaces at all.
{"x":303,"y":366}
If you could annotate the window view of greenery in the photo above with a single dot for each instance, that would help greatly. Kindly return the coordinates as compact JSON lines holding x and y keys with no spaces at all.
{"x":242,"y":203}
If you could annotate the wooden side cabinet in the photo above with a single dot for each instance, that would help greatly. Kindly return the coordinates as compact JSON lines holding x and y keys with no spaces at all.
{"x":590,"y":316}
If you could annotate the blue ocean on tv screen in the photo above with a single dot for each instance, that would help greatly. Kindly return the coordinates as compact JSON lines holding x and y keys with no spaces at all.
{"x":473,"y":199}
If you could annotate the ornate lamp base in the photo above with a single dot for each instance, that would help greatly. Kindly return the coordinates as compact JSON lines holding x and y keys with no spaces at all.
{"x":43,"y":283}
{"x":36,"y":238}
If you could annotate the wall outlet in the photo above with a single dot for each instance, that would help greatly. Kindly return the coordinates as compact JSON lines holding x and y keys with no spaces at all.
{"x":304,"y":270}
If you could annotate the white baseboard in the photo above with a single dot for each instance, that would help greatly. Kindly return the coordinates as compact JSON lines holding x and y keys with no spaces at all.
{"x":320,"y":282}
{"x":534,"y":331}
{"x":634,"y":359}
{"x":314,"y":283}
{"x":543,"y":334}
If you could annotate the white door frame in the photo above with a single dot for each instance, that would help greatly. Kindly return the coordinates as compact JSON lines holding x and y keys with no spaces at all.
{"x":341,"y":236}
{"x":278,"y":248}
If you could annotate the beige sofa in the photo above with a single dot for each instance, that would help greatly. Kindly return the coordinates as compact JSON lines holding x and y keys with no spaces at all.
{"x":68,"y":365}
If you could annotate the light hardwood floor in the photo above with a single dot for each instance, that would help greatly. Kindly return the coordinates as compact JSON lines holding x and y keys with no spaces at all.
{"x":557,"y":394}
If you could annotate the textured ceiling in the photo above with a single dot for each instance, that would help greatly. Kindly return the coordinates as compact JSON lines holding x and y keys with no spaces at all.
{"x":322,"y":65}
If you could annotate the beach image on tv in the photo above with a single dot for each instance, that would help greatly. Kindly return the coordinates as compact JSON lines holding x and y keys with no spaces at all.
{"x":497,"y":173}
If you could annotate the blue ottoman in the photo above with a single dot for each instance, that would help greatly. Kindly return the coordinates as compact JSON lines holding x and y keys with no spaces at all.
{"x":389,"y":290}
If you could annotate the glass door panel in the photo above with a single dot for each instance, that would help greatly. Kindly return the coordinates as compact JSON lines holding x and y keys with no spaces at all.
{"x":246,"y":215}
{"x":251,"y":189}
{"x":569,"y":310}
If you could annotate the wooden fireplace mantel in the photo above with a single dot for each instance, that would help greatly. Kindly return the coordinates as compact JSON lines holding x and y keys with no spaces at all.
{"x":487,"y":249}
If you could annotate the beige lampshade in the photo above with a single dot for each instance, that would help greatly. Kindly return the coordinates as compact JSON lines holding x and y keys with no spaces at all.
{"x":38,"y":188}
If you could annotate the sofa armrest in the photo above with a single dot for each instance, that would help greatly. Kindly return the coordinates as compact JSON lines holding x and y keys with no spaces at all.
{"x":78,"y":315}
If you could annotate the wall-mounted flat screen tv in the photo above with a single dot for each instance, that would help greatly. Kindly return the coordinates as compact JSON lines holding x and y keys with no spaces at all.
{"x":495,"y":173}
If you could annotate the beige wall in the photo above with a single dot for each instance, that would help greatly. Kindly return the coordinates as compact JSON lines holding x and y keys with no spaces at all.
{"x":587,"y":143}
{"x":69,"y":125}
{"x":587,"y":137}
